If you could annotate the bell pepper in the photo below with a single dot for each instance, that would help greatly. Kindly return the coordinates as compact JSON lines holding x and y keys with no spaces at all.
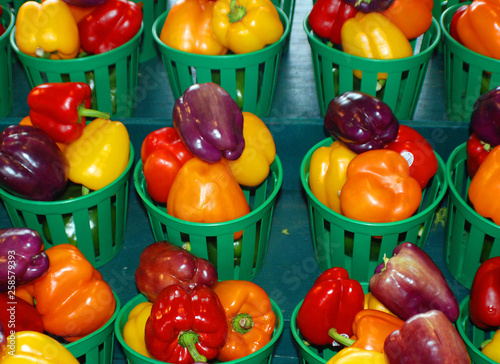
{"x":327,"y":173}
{"x":3,"y":341}
{"x":484,"y":304}
{"x":427,"y":337}
{"x":188,"y":28}
{"x":368,"y":6}
{"x":135,"y":327}
{"x":418,"y":152}
{"x":362,"y":121}
{"x":478,"y":28}
{"x":373,"y":303}
{"x":372,"y":35}
{"x":491,"y":347}
{"x":357,"y":356}
{"x":332,"y":302}
{"x":162,"y":153}
{"x":2,"y":28}
{"x":379,"y":188}
{"x":109,"y":26}
{"x":47,"y":30}
{"x":186,"y":327}
{"x":80,"y":12}
{"x":22,"y":258}
{"x":245,"y":26}
{"x":250,"y":318}
{"x":485,"y":184}
{"x":100,"y":155}
{"x":27,"y":121}
{"x":37,"y":348}
{"x":252,"y":167}
{"x":477,"y":151}
{"x":484,"y":120}
{"x":31,"y":164}
{"x":163,"y":263}
{"x":72,"y":297}
{"x":328,"y":16}
{"x":412,"y":17}
{"x":410,"y":283}
{"x":206,"y":193}
{"x":18,"y":315}
{"x":85,"y":3}
{"x":59,"y":109}
{"x":454,"y":20}
{"x":209,"y":122}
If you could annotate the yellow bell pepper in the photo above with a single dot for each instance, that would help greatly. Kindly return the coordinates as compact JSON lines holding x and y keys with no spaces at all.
{"x":100,"y":155}
{"x":252,"y":167}
{"x":133,"y":331}
{"x":327,"y":173}
{"x":245,"y":26}
{"x":491,"y":347}
{"x":47,"y":30}
{"x":25,"y":347}
{"x":350,"y":355}
{"x":372,"y":303}
{"x":372,"y":35}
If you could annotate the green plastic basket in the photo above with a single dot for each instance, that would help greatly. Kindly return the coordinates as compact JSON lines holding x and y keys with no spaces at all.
{"x":360,"y":246}
{"x":112,"y":75}
{"x":472,"y":335}
{"x":261,"y":356}
{"x":470,"y":238}
{"x":111,"y":203}
{"x":253,"y":75}
{"x":333,"y":72}
{"x":6,"y":93}
{"x":440,"y":6}
{"x":215,"y":241}
{"x":467,"y":74}
{"x":97,"y":348}
{"x":151,"y":10}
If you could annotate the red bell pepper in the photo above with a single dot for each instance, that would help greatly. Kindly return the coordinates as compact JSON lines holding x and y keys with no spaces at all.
{"x":2,"y":28}
{"x":186,"y":327}
{"x":163,"y":153}
{"x":59,"y":109}
{"x":332,"y":302}
{"x":327,"y":17}
{"x":109,"y":26}
{"x":477,"y":151}
{"x":454,"y":20}
{"x":18,"y":315}
{"x":484,"y":304}
{"x":418,"y":152}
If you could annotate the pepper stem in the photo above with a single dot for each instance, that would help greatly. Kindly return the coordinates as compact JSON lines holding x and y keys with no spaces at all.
{"x":242,"y":323}
{"x":188,"y":339}
{"x":84,"y":112}
{"x":237,"y":12}
{"x":40,"y":53}
{"x":341,"y":339}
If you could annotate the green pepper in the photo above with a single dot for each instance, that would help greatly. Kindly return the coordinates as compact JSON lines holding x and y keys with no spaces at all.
{"x":238,"y":247}
{"x":240,"y":85}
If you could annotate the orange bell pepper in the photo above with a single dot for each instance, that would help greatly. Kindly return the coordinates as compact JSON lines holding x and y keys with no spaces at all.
{"x":250,"y":318}
{"x":188,"y":28}
{"x":485,"y":187}
{"x":379,"y":188}
{"x":72,"y":296}
{"x":412,"y":17}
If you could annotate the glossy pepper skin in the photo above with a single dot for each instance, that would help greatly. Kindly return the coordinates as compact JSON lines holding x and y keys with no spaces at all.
{"x":163,"y":263}
{"x":362,"y":121}
{"x":491,"y":347}
{"x":47,"y":30}
{"x":328,"y":16}
{"x":72,"y":297}
{"x":109,"y":26}
{"x":368,"y":6}
{"x":327,"y":173}
{"x":134,"y":329}
{"x":412,"y":17}
{"x":357,"y":356}
{"x":18,"y":315}
{"x":332,"y":302}
{"x":372,"y":303}
{"x":379,"y":188}
{"x":484,"y":304}
{"x":188,"y":28}
{"x":245,"y":26}
{"x":85,"y":3}
{"x":163,"y":153}
{"x":59,"y":109}
{"x":22,"y":258}
{"x":209,"y":122}
{"x":184,"y":328}
{"x":100,"y":155}
{"x":250,"y":318}
{"x":31,"y":164}
{"x":428,"y":337}
{"x":418,"y":152}
{"x":477,"y":151}
{"x":410,"y":283}
{"x":454,"y":20}
{"x":485,"y":117}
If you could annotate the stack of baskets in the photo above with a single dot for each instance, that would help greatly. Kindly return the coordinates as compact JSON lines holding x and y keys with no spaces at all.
{"x":6,"y":91}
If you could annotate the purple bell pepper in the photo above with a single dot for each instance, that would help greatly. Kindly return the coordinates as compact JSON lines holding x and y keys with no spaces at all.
{"x":428,"y":338}
{"x":368,"y":6}
{"x":31,"y":164}
{"x":361,"y":121}
{"x":209,"y":122}
{"x":410,"y":283}
{"x":485,"y":117}
{"x":22,"y":258}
